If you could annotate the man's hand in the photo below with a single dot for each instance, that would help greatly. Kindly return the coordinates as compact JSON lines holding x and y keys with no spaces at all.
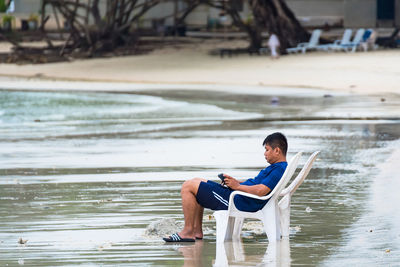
{"x":258,"y":189}
{"x":231,"y":182}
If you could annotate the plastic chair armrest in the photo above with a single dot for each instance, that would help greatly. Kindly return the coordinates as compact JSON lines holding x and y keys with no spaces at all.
{"x":285,"y":191}
{"x":234,"y":193}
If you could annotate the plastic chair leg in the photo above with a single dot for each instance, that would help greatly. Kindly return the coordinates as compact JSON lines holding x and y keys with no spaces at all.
{"x":285,"y":221}
{"x":272,"y":224}
{"x":284,"y":215}
{"x":237,"y":229}
{"x":221,"y":220}
{"x":229,"y":228}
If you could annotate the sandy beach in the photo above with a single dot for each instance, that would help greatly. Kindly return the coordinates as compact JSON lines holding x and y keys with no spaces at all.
{"x":374,"y":72}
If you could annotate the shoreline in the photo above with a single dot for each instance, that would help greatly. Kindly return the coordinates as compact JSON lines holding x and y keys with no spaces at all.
{"x":70,"y":85}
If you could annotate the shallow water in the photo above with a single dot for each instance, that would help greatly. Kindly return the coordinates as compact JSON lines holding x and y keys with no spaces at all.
{"x":84,"y":174}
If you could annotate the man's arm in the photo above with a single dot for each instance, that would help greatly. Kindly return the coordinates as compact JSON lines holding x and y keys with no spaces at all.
{"x":259,"y":189}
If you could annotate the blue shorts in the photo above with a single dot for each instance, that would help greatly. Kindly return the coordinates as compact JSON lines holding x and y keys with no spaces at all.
{"x":213,"y":196}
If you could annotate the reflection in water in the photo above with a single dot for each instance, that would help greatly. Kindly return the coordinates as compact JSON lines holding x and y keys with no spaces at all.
{"x":233,"y":254}
{"x":193,"y":254}
{"x":278,"y":254}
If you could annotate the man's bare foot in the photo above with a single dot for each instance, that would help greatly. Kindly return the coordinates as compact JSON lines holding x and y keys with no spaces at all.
{"x":185,"y":234}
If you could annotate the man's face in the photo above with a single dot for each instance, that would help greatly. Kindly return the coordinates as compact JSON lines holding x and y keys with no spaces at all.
{"x":270,"y":154}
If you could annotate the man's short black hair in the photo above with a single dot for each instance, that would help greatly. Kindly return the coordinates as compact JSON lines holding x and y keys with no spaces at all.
{"x":277,"y":140}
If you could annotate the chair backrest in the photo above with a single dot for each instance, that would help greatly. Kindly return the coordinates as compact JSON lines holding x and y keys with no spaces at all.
{"x":301,"y":176}
{"x":358,"y":37}
{"x":366,"y":35}
{"x":290,"y":169}
{"x":346,"y":37}
{"x":314,"y":39}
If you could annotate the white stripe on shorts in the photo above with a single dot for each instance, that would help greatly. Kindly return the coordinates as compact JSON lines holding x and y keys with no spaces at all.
{"x":221,"y":199}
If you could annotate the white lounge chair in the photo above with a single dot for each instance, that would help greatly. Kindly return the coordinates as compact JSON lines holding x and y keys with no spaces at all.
{"x":352,"y":46}
{"x":229,"y":222}
{"x":344,"y":41}
{"x":287,"y":193}
{"x":312,"y":44}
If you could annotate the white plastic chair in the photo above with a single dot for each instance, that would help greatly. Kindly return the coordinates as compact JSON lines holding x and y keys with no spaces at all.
{"x":287,"y":193}
{"x":337,"y":43}
{"x":312,"y":44}
{"x":229,"y":222}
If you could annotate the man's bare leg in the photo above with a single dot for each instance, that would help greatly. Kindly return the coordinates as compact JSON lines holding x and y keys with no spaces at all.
{"x":198,"y":222}
{"x":192,"y":211}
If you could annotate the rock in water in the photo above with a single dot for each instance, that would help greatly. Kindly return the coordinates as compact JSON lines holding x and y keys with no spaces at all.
{"x":163,"y":227}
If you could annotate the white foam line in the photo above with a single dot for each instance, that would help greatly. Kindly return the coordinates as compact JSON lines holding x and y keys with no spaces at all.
{"x":44,"y":85}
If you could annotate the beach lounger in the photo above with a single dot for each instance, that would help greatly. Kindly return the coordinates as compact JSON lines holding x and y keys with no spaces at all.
{"x":344,"y":41}
{"x":369,"y":40}
{"x":392,"y":42}
{"x":287,"y":193}
{"x":303,"y":47}
{"x":229,"y":222}
{"x":353,"y":45}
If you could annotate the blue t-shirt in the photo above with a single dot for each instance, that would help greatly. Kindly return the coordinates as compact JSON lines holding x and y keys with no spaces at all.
{"x":269,"y":177}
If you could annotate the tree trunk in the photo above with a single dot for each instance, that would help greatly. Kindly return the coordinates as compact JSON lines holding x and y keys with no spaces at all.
{"x":253,"y":30}
{"x":276,"y":17}
{"x":94,"y":30}
{"x":273,"y":16}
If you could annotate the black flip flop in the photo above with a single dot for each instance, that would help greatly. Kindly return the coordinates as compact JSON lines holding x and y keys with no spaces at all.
{"x":177,"y":238}
{"x":199,"y":238}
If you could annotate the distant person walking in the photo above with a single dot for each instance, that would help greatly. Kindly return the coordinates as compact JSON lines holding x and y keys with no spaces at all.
{"x":274,"y":44}
{"x":11,"y":7}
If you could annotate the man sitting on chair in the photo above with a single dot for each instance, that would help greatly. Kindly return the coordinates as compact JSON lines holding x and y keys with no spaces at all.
{"x":199,"y":193}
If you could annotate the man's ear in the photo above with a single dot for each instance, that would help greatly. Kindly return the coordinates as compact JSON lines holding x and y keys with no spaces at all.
{"x":277,"y":150}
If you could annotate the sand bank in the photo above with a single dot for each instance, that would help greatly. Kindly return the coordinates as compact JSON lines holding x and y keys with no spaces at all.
{"x":376,"y":72}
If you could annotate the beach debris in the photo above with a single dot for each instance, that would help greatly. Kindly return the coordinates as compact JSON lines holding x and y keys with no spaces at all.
{"x":105,"y":246}
{"x":163,"y":227}
{"x":387,"y":251}
{"x":274,"y":100}
{"x":104,"y":200}
{"x":308,"y":209}
{"x":210,"y":217}
{"x":255,"y":227}
{"x":327,"y":95}
{"x":296,"y":228}
{"x":383,"y":99}
{"x":22,"y":241}
{"x":37,"y":120}
{"x":370,"y":230}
